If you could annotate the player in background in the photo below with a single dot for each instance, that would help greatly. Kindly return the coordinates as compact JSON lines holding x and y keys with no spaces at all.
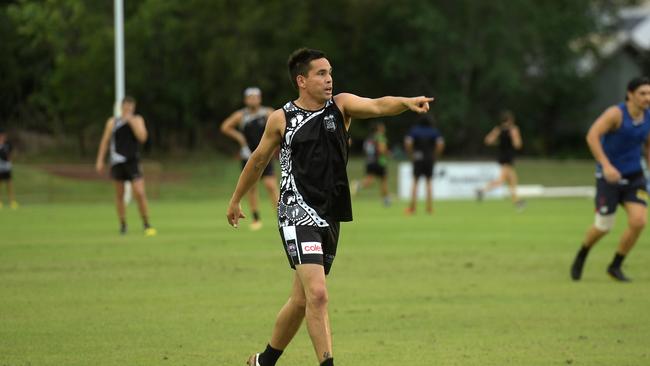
{"x":122,"y":136}
{"x":6,"y":150}
{"x":507,"y":138}
{"x":376,"y":150}
{"x":312,"y":133}
{"x":616,"y":141}
{"x":424,"y":145}
{"x":246,"y":126}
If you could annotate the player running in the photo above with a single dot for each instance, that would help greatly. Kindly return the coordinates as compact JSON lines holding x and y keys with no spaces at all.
{"x":312,"y":133}
{"x":616,"y":141}
{"x":246,"y":126}
{"x":507,"y":137}
{"x":5,"y":169}
{"x":424,"y":144}
{"x":376,"y":149}
{"x":122,"y":135}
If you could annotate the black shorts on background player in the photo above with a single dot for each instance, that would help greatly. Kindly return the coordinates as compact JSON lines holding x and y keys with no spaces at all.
{"x":376,"y":169}
{"x":5,"y":176}
{"x":506,"y":159}
{"x":610,"y":195}
{"x":312,"y":245}
{"x":422,"y":168}
{"x":126,"y":171}
{"x":268,"y":171}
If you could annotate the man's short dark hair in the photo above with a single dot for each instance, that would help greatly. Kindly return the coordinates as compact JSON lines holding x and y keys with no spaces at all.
{"x":299,"y":62}
{"x":128,"y":99}
{"x":506,"y":115}
{"x":637,"y":82}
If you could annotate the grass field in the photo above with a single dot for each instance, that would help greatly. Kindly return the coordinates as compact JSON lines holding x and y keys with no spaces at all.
{"x":475,"y":284}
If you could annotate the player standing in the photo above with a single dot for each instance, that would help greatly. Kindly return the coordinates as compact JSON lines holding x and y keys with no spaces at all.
{"x":246,"y":126}
{"x":616,"y":141}
{"x":122,"y":135}
{"x":5,"y":169}
{"x":376,"y":149}
{"x":507,"y":137}
{"x":311,"y":132}
{"x":424,"y":144}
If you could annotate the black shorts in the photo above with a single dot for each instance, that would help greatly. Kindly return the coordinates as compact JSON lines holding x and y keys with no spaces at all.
{"x":422,"y":168}
{"x":376,"y":169}
{"x":311,"y":244}
{"x":5,"y":175}
{"x":609,"y":196}
{"x":126,"y":171}
{"x":506,"y":160}
{"x":268,"y":171}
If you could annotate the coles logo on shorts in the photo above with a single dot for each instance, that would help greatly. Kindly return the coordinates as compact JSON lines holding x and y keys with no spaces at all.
{"x":311,"y":247}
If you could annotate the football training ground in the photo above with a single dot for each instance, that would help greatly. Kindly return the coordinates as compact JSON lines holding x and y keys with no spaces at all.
{"x":474,"y":284}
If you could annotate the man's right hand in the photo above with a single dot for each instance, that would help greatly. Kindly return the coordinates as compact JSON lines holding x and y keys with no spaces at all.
{"x":99,"y":167}
{"x":234,"y":213}
{"x":611,"y":174}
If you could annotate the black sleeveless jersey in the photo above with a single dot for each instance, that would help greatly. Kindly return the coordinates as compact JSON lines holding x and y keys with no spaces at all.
{"x":253,"y":124}
{"x":124,"y":145}
{"x":5,"y":157}
{"x":313,"y":158}
{"x":506,"y":148}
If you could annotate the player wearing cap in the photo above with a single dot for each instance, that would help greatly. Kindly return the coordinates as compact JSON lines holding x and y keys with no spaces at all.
{"x":246,"y":126}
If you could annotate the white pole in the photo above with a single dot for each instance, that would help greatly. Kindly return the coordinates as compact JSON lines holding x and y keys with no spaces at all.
{"x":119,"y":55}
{"x":119,"y":73}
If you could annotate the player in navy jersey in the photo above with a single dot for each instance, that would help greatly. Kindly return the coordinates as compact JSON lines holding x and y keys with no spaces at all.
{"x":122,"y":136}
{"x":312,"y":133}
{"x":6,"y":150}
{"x":507,"y":138}
{"x":616,"y":141}
{"x":246,"y":126}
{"x":424,"y":144}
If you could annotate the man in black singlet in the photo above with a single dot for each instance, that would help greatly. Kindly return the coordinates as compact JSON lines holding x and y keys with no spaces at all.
{"x":246,"y":126}
{"x":312,"y":133}
{"x":5,"y":169}
{"x":507,"y":138}
{"x":122,"y":136}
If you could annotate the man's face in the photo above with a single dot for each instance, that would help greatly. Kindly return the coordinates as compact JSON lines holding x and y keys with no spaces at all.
{"x":318,"y":83}
{"x":640,"y":97}
{"x":253,"y":100}
{"x":128,"y":109}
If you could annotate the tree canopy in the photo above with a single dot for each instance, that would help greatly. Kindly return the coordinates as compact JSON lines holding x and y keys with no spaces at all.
{"x":187,"y":62}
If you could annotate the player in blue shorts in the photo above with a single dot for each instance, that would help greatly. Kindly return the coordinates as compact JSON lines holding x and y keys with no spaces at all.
{"x":616,"y":141}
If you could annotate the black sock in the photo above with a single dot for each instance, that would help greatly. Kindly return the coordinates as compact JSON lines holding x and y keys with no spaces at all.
{"x":256,"y":216}
{"x":584,"y":250}
{"x":145,"y":222}
{"x":328,"y":362}
{"x":270,"y":356}
{"x":618,"y":260}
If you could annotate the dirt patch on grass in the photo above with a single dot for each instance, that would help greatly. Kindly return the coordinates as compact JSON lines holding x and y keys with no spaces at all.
{"x":86,"y":172}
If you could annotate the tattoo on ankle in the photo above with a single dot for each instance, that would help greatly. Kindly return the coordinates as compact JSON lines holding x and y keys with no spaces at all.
{"x":327,"y":355}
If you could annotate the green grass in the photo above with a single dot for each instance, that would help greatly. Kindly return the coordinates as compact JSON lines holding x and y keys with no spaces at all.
{"x":198,"y":177}
{"x":472,"y":285}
